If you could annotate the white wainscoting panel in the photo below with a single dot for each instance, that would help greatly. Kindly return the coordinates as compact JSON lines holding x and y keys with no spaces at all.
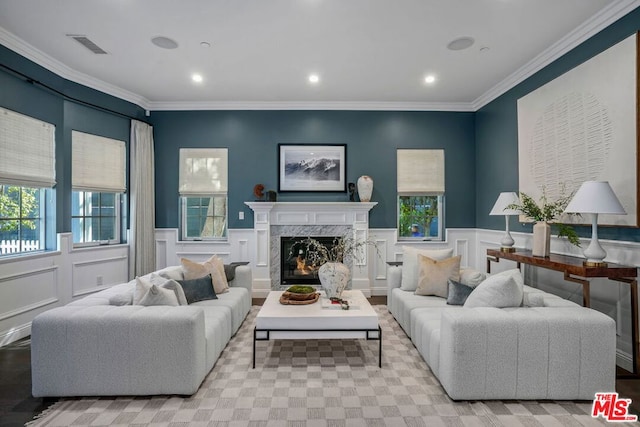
{"x":33,"y":283}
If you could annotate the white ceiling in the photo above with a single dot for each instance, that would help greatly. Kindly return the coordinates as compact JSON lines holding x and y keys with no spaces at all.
{"x":369,"y":54}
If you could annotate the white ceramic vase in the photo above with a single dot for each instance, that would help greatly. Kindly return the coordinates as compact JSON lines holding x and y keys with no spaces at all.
{"x":365,"y":188}
{"x":541,"y":239}
{"x":334,"y":277}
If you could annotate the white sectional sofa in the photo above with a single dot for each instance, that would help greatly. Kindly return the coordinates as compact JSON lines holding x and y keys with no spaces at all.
{"x":92,"y":348}
{"x":555,"y":350}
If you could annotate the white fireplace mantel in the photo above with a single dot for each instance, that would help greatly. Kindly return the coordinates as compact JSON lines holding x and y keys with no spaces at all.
{"x":354,"y":215}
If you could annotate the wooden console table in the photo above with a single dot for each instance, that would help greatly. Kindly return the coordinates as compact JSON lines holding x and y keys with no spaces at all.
{"x":575,"y":271}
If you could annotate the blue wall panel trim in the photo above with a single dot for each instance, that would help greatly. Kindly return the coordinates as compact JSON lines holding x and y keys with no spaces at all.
{"x":372,"y":138}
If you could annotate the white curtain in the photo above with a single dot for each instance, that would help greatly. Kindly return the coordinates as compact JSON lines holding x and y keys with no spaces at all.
{"x":142,"y":246}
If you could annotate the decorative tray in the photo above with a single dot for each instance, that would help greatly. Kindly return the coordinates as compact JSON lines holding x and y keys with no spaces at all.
{"x":288,"y":298}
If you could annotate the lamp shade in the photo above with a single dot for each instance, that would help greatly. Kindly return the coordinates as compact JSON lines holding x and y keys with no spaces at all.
{"x":504,"y":200}
{"x":596,"y":197}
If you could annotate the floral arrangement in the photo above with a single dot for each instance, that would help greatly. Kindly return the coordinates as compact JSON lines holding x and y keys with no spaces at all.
{"x":547,"y":211}
{"x":343,"y":248}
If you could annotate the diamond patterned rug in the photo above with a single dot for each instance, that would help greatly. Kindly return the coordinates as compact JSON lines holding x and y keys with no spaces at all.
{"x":316,"y":383}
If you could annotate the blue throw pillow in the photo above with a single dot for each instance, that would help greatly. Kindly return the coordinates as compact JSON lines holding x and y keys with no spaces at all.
{"x":199,"y":289}
{"x":458,"y":293}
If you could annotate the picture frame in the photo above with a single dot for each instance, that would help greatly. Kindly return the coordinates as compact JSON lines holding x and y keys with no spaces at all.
{"x":309,"y":167}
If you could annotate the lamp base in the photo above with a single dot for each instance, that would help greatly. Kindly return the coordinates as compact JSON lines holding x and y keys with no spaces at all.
{"x":507,"y":249}
{"x":594,"y":264}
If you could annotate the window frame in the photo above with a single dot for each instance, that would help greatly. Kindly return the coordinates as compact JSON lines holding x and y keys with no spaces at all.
{"x":117,"y":226}
{"x":184,"y":218}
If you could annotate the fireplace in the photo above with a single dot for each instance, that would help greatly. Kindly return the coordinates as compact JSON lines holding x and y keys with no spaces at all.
{"x":295,"y":266}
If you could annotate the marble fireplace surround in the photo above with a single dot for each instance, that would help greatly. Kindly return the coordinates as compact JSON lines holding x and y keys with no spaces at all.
{"x":271,"y":220}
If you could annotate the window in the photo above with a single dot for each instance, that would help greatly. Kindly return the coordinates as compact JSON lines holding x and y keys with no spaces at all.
{"x":95,"y":217}
{"x":203,"y":193}
{"x":420,"y":183}
{"x":98,"y":180}
{"x":27,"y":171}
{"x":22,"y":222}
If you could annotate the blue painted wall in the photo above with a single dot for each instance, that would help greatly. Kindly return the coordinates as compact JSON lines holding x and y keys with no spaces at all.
{"x":497,"y":132}
{"x":481,"y":148}
{"x":33,"y":99}
{"x":372,"y":138}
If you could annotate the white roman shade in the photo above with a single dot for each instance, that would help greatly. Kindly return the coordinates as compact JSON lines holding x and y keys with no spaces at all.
{"x":27,"y":151}
{"x":420,"y":172}
{"x":97,"y":163}
{"x":203,"y":171}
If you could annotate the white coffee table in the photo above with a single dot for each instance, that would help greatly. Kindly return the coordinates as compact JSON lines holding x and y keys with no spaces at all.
{"x":320,"y":320}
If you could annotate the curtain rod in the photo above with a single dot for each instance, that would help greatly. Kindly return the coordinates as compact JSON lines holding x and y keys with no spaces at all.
{"x":67,"y":97}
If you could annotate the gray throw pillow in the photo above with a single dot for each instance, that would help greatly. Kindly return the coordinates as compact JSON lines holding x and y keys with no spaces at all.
{"x":159,"y":296}
{"x":200,"y":289}
{"x":458,"y":293}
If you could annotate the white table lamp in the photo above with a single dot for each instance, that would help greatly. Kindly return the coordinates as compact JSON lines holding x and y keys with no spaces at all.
{"x":595,"y":197}
{"x":500,"y":208}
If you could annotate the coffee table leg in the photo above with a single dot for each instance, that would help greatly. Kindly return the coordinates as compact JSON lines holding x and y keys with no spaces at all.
{"x":254,"y":347}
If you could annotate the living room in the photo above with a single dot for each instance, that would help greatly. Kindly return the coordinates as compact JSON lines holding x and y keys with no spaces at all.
{"x":479,"y":138}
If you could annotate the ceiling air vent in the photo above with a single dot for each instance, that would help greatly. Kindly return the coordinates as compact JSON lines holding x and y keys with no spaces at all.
{"x":84,"y":41}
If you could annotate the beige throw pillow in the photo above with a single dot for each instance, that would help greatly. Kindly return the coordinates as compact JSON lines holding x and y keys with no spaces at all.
{"x":213,"y":266}
{"x":410,"y":268}
{"x":434,"y":275}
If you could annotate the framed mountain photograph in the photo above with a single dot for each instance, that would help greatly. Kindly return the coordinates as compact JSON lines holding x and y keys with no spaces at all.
{"x":312,"y":167}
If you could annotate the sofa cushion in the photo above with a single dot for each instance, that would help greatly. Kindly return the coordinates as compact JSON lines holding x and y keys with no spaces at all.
{"x":458,"y":293}
{"x":410,"y":264}
{"x":500,"y":290}
{"x":213,"y":267}
{"x":434,"y":275}
{"x":199,"y":289}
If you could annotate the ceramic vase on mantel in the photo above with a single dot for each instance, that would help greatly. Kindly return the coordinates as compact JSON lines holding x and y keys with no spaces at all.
{"x":365,"y":188}
{"x":541,"y":239}
{"x":334,"y":277}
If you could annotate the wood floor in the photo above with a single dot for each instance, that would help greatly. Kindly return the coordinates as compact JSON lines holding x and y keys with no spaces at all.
{"x":17,"y":406}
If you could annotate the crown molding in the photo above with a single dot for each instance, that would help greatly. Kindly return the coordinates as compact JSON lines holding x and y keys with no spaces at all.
{"x":11,"y":41}
{"x":614,"y":11}
{"x":311,"y":105}
{"x":589,"y":28}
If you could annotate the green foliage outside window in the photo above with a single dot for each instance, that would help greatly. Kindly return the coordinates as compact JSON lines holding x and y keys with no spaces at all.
{"x":19,"y":207}
{"x":416,"y":215}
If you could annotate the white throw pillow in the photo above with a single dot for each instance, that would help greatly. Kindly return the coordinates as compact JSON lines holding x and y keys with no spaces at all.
{"x":170,"y":284}
{"x":150,"y":294}
{"x":471,"y":277}
{"x":500,"y":290}
{"x":410,"y":264}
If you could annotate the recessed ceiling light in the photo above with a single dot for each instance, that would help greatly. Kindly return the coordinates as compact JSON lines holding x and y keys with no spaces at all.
{"x":164,"y":42}
{"x":484,"y":49}
{"x":205,"y":44}
{"x":460,"y":43}
{"x":430,"y":79}
{"x":314,"y":78}
{"x":196,"y":78}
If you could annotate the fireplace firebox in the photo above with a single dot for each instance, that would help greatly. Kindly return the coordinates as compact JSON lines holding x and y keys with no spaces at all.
{"x":295,"y":266}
